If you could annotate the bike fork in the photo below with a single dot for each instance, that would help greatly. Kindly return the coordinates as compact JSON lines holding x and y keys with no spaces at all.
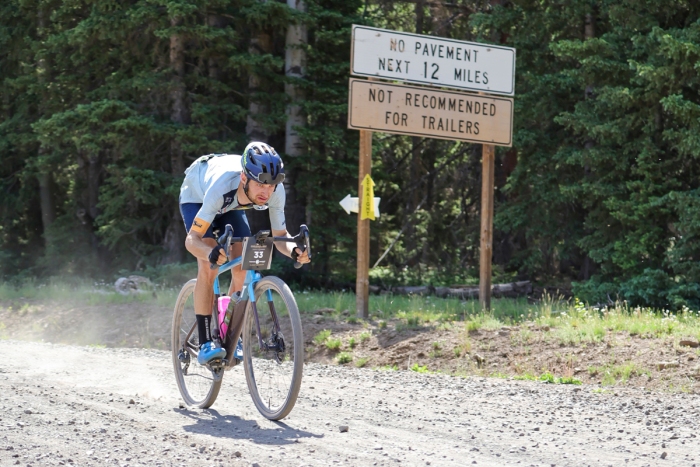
{"x":273,"y":313}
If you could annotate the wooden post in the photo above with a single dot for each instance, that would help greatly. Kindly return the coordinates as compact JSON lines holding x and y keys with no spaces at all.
{"x":488,"y":156}
{"x":362,"y":284}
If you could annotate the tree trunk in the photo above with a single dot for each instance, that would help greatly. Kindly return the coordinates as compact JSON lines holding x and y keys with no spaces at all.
{"x":589,"y":33}
{"x":48,"y":213}
{"x":420,"y":16}
{"x":46,"y":201}
{"x":260,"y":43}
{"x":94,"y":173}
{"x":294,"y":67}
{"x":414,"y":172}
{"x":174,"y":240}
{"x":215,"y":21}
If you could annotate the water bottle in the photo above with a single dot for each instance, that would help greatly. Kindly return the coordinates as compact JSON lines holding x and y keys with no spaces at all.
{"x":224,"y":313}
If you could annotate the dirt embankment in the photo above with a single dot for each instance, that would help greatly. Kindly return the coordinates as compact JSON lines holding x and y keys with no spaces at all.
{"x":618,"y":360}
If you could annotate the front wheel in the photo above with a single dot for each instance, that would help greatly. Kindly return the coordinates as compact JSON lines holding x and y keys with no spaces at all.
{"x":273,"y":370}
{"x":198,"y":385}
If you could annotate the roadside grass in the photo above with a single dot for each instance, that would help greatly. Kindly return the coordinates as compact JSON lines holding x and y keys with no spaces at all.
{"x":84,"y":292}
{"x":333,"y":344}
{"x":322,"y":337}
{"x":344,"y":357}
{"x":611,"y":374}
{"x":569,"y":322}
{"x":361,"y":362}
{"x":420,"y":369}
{"x":548,"y":377}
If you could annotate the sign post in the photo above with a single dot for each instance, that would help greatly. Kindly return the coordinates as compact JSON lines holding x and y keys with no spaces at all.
{"x":362,"y":281}
{"x":488,"y":156}
{"x":436,"y":113}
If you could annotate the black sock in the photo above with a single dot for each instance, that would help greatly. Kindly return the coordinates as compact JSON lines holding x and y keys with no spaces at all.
{"x":204,"y":328}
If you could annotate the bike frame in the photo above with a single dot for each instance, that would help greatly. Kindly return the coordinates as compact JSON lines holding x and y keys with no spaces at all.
{"x":247,"y":293}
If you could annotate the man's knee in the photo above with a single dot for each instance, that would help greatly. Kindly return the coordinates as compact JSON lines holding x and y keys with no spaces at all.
{"x":205,"y":272}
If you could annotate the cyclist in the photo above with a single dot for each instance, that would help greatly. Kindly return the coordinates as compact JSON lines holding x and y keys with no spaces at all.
{"x":216,"y":192}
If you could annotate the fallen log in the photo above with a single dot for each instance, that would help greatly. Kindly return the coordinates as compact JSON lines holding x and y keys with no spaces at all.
{"x":415,"y":290}
{"x":511,"y":290}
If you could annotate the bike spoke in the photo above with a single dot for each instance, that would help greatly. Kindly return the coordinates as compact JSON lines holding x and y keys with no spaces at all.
{"x":273,"y":370}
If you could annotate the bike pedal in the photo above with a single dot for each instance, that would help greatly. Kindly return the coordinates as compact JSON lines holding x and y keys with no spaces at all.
{"x":216,"y":363}
{"x":217,"y":368}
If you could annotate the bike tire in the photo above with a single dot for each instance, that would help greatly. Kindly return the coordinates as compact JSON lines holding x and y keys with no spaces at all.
{"x":273,"y":384}
{"x":196,"y":383}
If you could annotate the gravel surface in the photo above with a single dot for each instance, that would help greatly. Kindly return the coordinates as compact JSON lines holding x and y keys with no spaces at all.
{"x":67,"y":405}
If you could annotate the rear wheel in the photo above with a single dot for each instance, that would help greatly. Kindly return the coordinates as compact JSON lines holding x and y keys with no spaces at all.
{"x":197,"y":384}
{"x":273,"y":372}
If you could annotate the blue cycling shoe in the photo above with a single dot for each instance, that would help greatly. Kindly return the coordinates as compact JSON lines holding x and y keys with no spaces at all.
{"x":238,"y":353}
{"x":208,"y":352}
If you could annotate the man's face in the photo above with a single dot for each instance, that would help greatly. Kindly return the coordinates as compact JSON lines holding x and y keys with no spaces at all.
{"x":259,"y":193}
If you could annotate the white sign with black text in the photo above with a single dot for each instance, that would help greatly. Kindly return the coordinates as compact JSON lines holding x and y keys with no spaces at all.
{"x":381,"y":53}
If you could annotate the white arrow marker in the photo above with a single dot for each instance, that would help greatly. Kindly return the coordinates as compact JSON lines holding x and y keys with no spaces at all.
{"x":352,"y":204}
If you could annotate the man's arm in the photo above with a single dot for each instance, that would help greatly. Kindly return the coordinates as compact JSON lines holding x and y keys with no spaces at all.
{"x":200,"y":247}
{"x":286,"y":247}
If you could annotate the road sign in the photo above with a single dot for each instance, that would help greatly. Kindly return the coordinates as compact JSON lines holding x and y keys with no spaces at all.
{"x":417,"y":111}
{"x":416,"y":58}
{"x":367,"y":208}
{"x":352,"y":204}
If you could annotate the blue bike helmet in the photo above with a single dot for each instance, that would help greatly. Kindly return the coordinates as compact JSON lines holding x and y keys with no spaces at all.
{"x":262,"y":164}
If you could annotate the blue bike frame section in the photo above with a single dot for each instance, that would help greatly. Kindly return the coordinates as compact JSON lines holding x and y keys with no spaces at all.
{"x":251,"y":278}
{"x":248,"y":292}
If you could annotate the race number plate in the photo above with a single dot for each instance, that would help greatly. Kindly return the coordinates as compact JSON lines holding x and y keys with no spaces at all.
{"x":257,"y":254}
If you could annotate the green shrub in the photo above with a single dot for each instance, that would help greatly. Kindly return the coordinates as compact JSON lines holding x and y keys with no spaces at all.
{"x":322,"y":337}
{"x":333,"y":344}
{"x":361,"y":362}
{"x":344,"y":358}
{"x":419,"y":369}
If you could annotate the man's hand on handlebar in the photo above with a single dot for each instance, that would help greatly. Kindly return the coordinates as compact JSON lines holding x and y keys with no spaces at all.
{"x":217,"y":255}
{"x":300,"y":257}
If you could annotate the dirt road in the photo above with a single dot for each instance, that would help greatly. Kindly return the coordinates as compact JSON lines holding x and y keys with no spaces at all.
{"x":66,"y":405}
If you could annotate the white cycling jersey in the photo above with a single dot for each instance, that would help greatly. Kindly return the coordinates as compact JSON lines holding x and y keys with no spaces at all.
{"x":213,"y":181}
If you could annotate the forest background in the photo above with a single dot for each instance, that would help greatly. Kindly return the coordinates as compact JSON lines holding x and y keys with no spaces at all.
{"x":104,"y":103}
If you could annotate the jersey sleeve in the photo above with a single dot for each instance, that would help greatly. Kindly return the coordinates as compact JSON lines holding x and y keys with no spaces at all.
{"x":276,"y":208}
{"x":211,"y":204}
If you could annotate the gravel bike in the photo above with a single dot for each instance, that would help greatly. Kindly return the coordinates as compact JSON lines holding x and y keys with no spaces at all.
{"x":267,"y":317}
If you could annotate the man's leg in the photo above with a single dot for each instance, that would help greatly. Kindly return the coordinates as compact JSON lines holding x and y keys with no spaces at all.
{"x":238,"y":275}
{"x":203,"y":302}
{"x":239,"y":223}
{"x":203,"y":289}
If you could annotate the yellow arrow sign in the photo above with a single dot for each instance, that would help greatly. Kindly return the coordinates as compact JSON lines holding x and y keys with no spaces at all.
{"x":367,"y":210}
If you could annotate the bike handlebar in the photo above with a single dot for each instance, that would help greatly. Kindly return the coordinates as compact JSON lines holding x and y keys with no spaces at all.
{"x":302,"y":240}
